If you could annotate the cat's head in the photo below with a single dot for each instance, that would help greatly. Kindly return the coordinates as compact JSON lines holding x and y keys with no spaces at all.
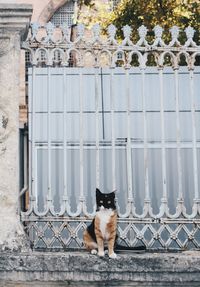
{"x":105,"y":200}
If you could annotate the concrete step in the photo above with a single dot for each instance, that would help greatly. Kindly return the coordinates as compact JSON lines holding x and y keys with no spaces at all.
{"x":82,"y":269}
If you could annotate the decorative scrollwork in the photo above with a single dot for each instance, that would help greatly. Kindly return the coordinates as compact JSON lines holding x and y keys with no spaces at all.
{"x":158,"y":34}
{"x":190,"y":34}
{"x":127,"y":34}
{"x":93,"y":41}
{"x":142,"y":31}
{"x":65,"y":32}
{"x":34,"y":31}
{"x":112,"y":32}
{"x":174,"y":33}
{"x":50,"y":31}
{"x":96,"y":30}
{"x":80,"y":32}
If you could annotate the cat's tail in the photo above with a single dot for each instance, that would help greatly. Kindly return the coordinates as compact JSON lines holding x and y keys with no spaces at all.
{"x":122,"y":248}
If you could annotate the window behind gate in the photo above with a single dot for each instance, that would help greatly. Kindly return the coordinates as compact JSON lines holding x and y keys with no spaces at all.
{"x":64,"y":14}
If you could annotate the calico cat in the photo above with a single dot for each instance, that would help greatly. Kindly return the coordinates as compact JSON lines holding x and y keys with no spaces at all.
{"x":103,"y":228}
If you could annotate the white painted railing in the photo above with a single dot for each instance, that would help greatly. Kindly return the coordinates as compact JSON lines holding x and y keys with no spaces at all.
{"x":110,"y":123}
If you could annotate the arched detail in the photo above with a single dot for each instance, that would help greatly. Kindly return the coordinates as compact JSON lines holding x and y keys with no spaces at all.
{"x":152,"y":58}
{"x":118,"y":57}
{"x":139,"y":58}
{"x":77,"y":58}
{"x":194,"y":60}
{"x":41,"y":55}
{"x":58,"y":56}
{"x":50,"y":9}
{"x":88,"y":58}
{"x":100,"y":61}
{"x":186,"y":57}
{"x":173,"y":59}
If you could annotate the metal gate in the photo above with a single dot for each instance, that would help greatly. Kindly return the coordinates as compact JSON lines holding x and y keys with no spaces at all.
{"x":117,"y":116}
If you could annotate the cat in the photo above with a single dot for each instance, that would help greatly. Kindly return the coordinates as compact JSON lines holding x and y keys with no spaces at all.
{"x":103,"y":228}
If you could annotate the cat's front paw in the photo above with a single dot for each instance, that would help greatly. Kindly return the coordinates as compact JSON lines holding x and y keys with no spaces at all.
{"x":113,"y":255}
{"x":93,"y":251}
{"x":101,"y":253}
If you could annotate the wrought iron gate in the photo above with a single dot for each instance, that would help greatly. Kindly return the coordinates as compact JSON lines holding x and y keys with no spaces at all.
{"x":118,"y":116}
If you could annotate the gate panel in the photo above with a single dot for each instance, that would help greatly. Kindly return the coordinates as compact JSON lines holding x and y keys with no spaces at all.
{"x":129,"y":129}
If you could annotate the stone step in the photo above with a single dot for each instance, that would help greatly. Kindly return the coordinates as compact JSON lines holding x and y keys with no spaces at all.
{"x":82,"y":269}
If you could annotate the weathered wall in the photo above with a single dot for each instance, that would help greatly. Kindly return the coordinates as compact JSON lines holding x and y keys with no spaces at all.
{"x":14,"y":20}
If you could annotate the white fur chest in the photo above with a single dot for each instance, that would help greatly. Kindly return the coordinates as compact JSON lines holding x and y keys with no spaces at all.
{"x":104,"y":215}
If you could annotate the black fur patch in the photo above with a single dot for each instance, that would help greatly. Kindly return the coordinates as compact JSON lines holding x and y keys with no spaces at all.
{"x":90,"y":230}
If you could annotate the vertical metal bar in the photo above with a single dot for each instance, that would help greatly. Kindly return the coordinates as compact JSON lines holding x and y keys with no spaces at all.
{"x":164,"y":184}
{"x":65,"y":196}
{"x":194,"y":137}
{"x":128,"y":152}
{"x":178,"y":136}
{"x":146,"y":169}
{"x":102,"y":100}
{"x":25,"y":160}
{"x":97,"y":125}
{"x":34,"y":196}
{"x":81,"y":126}
{"x":112,"y":110}
{"x":25,"y":167}
{"x":49,"y":194}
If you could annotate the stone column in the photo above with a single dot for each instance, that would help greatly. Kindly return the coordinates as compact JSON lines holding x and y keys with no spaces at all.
{"x":14,"y":22}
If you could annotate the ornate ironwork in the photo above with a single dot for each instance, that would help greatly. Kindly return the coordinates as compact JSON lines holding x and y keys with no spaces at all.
{"x":63,"y":229}
{"x":49,"y":39}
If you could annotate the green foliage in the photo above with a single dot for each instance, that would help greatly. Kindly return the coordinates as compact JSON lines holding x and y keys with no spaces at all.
{"x":92,"y":12}
{"x":150,"y":13}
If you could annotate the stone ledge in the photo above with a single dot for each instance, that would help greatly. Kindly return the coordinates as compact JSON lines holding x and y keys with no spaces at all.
{"x":15,"y":16}
{"x":144,"y":268}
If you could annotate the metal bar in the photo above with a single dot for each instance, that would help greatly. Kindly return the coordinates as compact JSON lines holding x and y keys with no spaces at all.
{"x":164,"y":184}
{"x":134,"y":146}
{"x":194,"y":136}
{"x":128,"y":149}
{"x":49,"y":193}
{"x":34,"y":196}
{"x":97,"y":126}
{"x":25,"y":163}
{"x":112,"y":111}
{"x":81,"y":126}
{"x":178,"y":136}
{"x":146,"y":169}
{"x":65,"y":196}
{"x":121,"y":111}
{"x":102,"y":106}
{"x":133,"y":221}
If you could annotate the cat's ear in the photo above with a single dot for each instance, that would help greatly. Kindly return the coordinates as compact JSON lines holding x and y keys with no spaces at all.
{"x":98,"y":191}
{"x":114,"y":192}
